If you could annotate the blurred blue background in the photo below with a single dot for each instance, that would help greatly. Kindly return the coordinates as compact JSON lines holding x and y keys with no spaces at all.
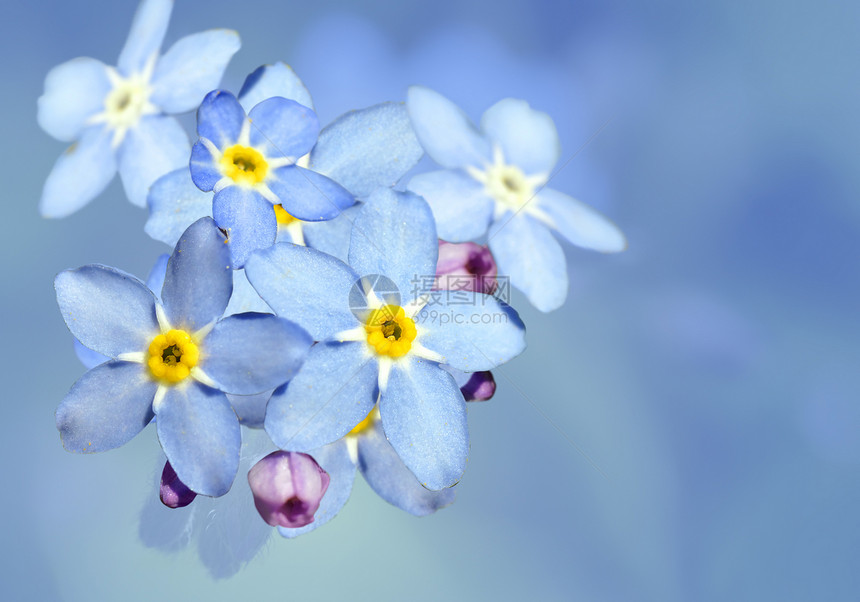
{"x":686,"y":427}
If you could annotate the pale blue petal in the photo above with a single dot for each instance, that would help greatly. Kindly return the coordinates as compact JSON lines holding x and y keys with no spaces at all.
{"x":200,"y":435}
{"x":220,"y":118}
{"x":174,"y":204}
{"x":388,"y":476}
{"x":244,"y":297}
{"x":147,"y":32}
{"x":250,"y":353}
{"x":363,"y":150}
{"x":471,"y":337}
{"x":283,"y":128}
{"x":424,"y":417}
{"x":580,"y":224}
{"x":531,"y":257}
{"x":203,"y":168}
{"x":106,"y":408}
{"x":273,"y":80}
{"x":199,"y":279}
{"x":157,"y":145}
{"x":81,"y":173}
{"x":192,"y":67}
{"x":155,"y":280}
{"x":307,"y":195}
{"x":333,"y":392}
{"x":448,"y":136}
{"x":306,"y":286}
{"x":461,"y":207}
{"x":394,"y":235}
{"x":89,"y":358}
{"x":332,"y":236}
{"x":248,"y":219}
{"x":107,"y":310}
{"x":334,"y":459}
{"x":528,"y":138}
{"x":74,"y":92}
{"x":251,"y":409}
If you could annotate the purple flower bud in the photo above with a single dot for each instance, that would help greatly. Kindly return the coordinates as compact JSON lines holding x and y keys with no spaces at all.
{"x":174,"y":493}
{"x":287,"y":488}
{"x":465,"y":266}
{"x":481,"y":386}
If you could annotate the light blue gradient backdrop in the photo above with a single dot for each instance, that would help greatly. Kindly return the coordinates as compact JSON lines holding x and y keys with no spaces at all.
{"x":686,"y":427}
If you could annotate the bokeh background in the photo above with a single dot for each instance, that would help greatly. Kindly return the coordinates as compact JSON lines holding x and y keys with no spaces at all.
{"x":684,"y":428}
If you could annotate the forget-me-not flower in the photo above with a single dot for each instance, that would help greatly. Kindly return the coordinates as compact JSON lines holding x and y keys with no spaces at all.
{"x":494,"y":182}
{"x":118,"y":116}
{"x":387,"y":350}
{"x":173,"y":358}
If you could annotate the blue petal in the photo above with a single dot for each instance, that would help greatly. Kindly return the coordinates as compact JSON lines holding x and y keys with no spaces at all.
{"x":334,"y":459}
{"x":306,"y":286}
{"x":307,"y":195}
{"x":580,"y":224}
{"x":477,"y":336}
{"x":448,"y":136}
{"x":174,"y":204}
{"x":461,"y":207}
{"x":155,"y":280}
{"x":333,"y":392}
{"x":424,"y":417}
{"x":220,"y":118}
{"x":394,"y":235}
{"x":388,"y":476}
{"x":200,"y":435}
{"x":74,"y":92}
{"x":106,"y":408}
{"x":528,"y":138}
{"x":89,"y":358}
{"x":147,"y":32}
{"x":203,"y":168}
{"x":80,"y":174}
{"x":244,"y":297}
{"x":192,"y":67}
{"x":531,"y":257}
{"x":250,"y":409}
{"x":199,"y":280}
{"x":248,"y":219}
{"x":250,"y":353}
{"x":363,"y":150}
{"x":107,"y":310}
{"x":273,"y":80}
{"x":157,"y":145}
{"x":283,"y":128}
{"x":332,"y":236}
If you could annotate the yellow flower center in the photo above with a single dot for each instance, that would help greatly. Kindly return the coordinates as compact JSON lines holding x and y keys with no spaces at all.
{"x":365,"y":424}
{"x":172,"y":355}
{"x":508,"y":185}
{"x":245,"y":165}
{"x":389,"y":331}
{"x":284,"y":218}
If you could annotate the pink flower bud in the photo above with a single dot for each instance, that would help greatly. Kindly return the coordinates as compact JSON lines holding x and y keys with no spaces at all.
{"x":465,"y":266}
{"x":287,"y":488}
{"x":174,"y":493}
{"x":481,"y":386}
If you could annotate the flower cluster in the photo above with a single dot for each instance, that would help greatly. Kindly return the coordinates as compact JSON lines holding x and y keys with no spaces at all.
{"x":313,"y":292}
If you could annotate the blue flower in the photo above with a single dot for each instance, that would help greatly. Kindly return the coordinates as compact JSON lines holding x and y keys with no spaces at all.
{"x":390,"y":348}
{"x":172,"y":358}
{"x":360,"y":150}
{"x":495,"y":180}
{"x":117,"y":116}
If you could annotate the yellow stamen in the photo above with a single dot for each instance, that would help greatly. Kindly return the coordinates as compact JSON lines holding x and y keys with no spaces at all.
{"x":172,"y":355}
{"x":245,"y":165}
{"x":390,"y":331}
{"x":366,"y":424}
{"x":284,"y":218}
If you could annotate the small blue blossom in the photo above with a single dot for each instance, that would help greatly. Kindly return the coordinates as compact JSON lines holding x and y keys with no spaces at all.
{"x":118,"y":116}
{"x":172,"y":358}
{"x":494,"y":182}
{"x":391,"y":350}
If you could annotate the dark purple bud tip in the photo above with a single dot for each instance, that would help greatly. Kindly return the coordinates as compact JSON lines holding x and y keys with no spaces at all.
{"x":287,"y":488}
{"x":174,"y":493}
{"x":465,"y":266}
{"x":481,"y":386}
